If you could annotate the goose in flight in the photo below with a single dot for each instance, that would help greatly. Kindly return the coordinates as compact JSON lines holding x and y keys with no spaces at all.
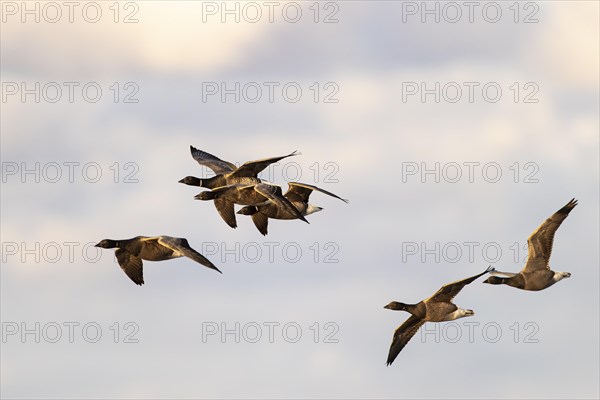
{"x":537,"y":275}
{"x":131,"y":252}
{"x":253,"y":195}
{"x":297,"y":194}
{"x":437,"y":308}
{"x":227,"y":173}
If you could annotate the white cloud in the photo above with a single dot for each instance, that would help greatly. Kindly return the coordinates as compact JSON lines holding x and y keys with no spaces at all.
{"x":566,"y":45}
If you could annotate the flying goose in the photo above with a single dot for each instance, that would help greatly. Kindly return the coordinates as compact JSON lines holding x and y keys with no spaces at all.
{"x":253,"y":195}
{"x":298,"y":194}
{"x":437,"y":308}
{"x":537,"y":275}
{"x":227,"y":173}
{"x":131,"y":252}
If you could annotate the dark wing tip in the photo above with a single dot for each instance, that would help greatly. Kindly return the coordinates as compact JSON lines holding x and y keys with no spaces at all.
{"x":567,"y":208}
{"x":232,"y":224}
{"x":490,"y":269}
{"x":262,"y":229}
{"x":574,"y":202}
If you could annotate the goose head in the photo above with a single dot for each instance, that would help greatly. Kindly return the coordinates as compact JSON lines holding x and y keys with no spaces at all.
{"x":107,"y":244}
{"x":396,"y":306}
{"x":247,"y":210}
{"x":206,"y":195}
{"x":191,"y":181}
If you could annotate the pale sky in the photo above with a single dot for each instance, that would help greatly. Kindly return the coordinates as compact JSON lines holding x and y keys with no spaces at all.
{"x":438,"y":191}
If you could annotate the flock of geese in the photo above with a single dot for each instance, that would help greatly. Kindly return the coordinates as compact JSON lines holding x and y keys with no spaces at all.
{"x":262,"y":200}
{"x":535,"y":275}
{"x":231,"y":185}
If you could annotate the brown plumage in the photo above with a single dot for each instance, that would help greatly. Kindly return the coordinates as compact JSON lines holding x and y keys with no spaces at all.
{"x":227,"y":173}
{"x":536,"y":274}
{"x":252,"y":195}
{"x":297,"y":194}
{"x":437,"y":308}
{"x":131,"y":252}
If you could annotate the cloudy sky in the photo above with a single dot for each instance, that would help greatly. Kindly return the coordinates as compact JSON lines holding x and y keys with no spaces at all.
{"x":454,"y":130}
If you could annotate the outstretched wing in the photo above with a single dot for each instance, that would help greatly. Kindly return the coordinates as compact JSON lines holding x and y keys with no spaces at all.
{"x":253,"y":168}
{"x":131,"y":265}
{"x":402,"y":336}
{"x":208,"y":160}
{"x":182,"y":246}
{"x":449,"y":291}
{"x":226,"y":211}
{"x":261,"y":221}
{"x":303,"y":191}
{"x":273,"y":193}
{"x":540,"y":241}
